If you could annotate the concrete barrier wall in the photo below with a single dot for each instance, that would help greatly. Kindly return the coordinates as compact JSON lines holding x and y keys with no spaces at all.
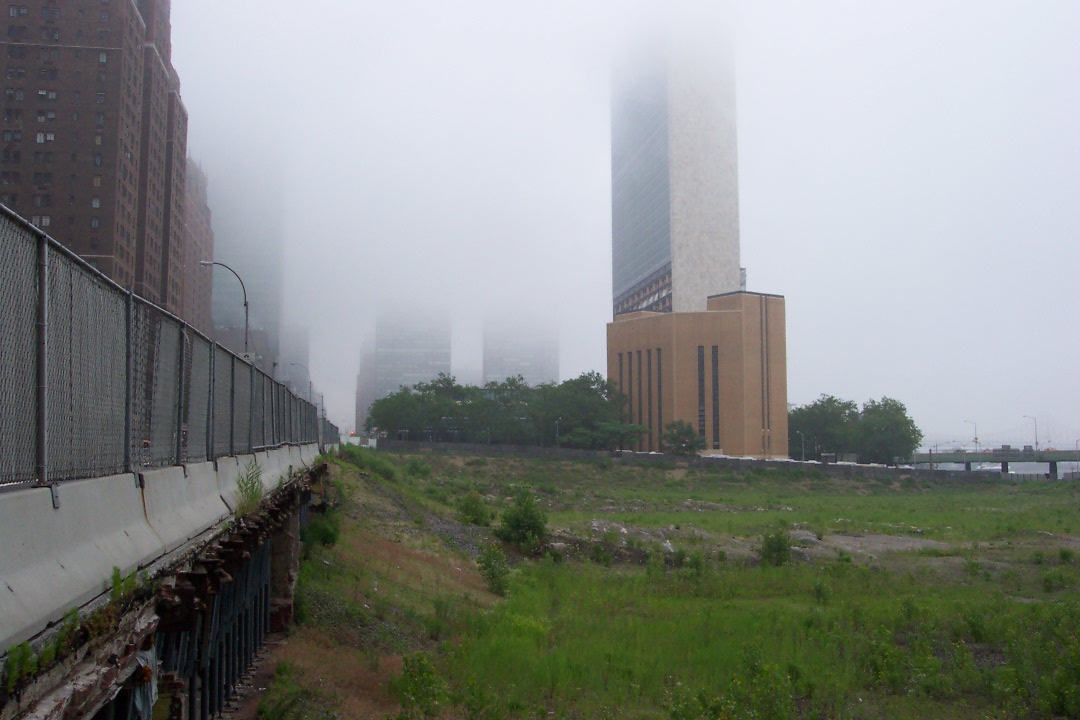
{"x":54,"y":559}
{"x":182,"y":502}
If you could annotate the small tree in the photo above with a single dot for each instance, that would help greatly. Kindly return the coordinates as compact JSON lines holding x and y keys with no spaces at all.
{"x":524,"y":523}
{"x":776,"y":548}
{"x":680,"y":438}
{"x":494,"y":569}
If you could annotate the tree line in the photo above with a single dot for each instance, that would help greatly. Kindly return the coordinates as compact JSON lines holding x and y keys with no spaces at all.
{"x":588,"y":412}
{"x":879,"y":432}
{"x":585,"y":412}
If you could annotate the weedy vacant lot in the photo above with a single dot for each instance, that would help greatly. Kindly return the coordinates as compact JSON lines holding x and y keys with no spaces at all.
{"x":663,"y":592}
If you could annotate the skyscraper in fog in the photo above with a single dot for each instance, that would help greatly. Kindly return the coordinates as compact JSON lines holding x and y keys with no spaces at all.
{"x":513,"y":347}
{"x":688,"y":343}
{"x":409,"y":349}
{"x":674,"y":178}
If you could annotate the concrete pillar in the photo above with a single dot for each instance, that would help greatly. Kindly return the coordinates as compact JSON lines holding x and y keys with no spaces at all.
{"x":967,"y":466}
{"x":1004,"y":467}
{"x":284,"y":569}
{"x":1053,"y":469}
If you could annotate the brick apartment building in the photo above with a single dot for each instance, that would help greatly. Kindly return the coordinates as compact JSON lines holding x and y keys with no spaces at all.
{"x":95,"y":137}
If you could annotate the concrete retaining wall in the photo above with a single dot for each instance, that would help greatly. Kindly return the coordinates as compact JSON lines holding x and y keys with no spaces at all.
{"x":52,"y":560}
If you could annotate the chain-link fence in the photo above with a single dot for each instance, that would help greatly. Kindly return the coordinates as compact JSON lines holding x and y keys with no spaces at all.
{"x":96,"y":381}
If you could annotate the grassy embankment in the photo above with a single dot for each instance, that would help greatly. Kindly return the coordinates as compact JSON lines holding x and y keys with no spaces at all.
{"x":904,"y":600}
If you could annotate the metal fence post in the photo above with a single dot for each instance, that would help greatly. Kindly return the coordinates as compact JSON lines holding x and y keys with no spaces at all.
{"x":42,"y":363}
{"x":211,"y":451}
{"x":232,"y":404}
{"x":251,"y":408}
{"x":129,"y":370}
{"x":180,"y":398}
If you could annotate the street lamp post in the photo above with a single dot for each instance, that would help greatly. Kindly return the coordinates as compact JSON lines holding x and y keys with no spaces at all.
{"x":972,"y":422}
{"x":803,"y":438}
{"x":1035,"y":420}
{"x":208,"y":263}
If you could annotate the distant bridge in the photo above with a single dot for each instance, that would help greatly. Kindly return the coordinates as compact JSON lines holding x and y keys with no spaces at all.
{"x":1003,"y":456}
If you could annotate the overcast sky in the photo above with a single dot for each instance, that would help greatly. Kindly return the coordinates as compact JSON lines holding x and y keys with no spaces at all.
{"x":909,"y":180}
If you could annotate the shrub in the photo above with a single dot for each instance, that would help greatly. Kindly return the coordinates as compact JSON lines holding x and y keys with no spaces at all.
{"x":1066,"y":556}
{"x":421,"y":689}
{"x":776,"y":548}
{"x":417,"y":468}
{"x":494,"y":569}
{"x":1055,"y":580}
{"x":523,"y":524}
{"x":249,"y":489}
{"x":322,"y":528}
{"x":599,"y":555}
{"x":696,"y":563}
{"x":1038,"y":557}
{"x":473,"y":509}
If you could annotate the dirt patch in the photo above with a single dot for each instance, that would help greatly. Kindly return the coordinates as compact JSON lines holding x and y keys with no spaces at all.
{"x":872,"y":544}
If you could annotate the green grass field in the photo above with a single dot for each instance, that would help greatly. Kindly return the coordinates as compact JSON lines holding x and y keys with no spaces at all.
{"x":901,"y":600}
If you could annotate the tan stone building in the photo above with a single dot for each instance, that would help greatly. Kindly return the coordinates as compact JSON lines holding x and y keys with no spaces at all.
{"x":723,"y":370}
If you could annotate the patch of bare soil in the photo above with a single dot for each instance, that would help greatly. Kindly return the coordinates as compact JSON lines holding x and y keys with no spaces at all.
{"x":872,"y":544}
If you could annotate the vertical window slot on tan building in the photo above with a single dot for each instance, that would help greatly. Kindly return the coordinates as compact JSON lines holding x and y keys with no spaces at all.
{"x":648,"y":388}
{"x":716,"y":397}
{"x":659,"y":392}
{"x":701,"y":389}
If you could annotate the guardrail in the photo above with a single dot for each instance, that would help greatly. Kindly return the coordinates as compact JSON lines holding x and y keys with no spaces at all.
{"x":95,"y":380}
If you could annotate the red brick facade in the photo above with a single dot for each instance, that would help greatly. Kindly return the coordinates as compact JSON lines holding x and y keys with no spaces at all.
{"x":95,"y":136}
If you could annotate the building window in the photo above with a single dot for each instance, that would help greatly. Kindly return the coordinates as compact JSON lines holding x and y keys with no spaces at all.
{"x":97,"y":159}
{"x":46,"y":221}
{"x":95,"y":222}
{"x":100,"y":98}
{"x":659,"y":391}
{"x":716,"y":396}
{"x":96,"y":202}
{"x":97,"y":139}
{"x":97,"y":181}
{"x":701,"y":389}
{"x":99,"y":119}
{"x":40,"y":138}
{"x":103,"y":57}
